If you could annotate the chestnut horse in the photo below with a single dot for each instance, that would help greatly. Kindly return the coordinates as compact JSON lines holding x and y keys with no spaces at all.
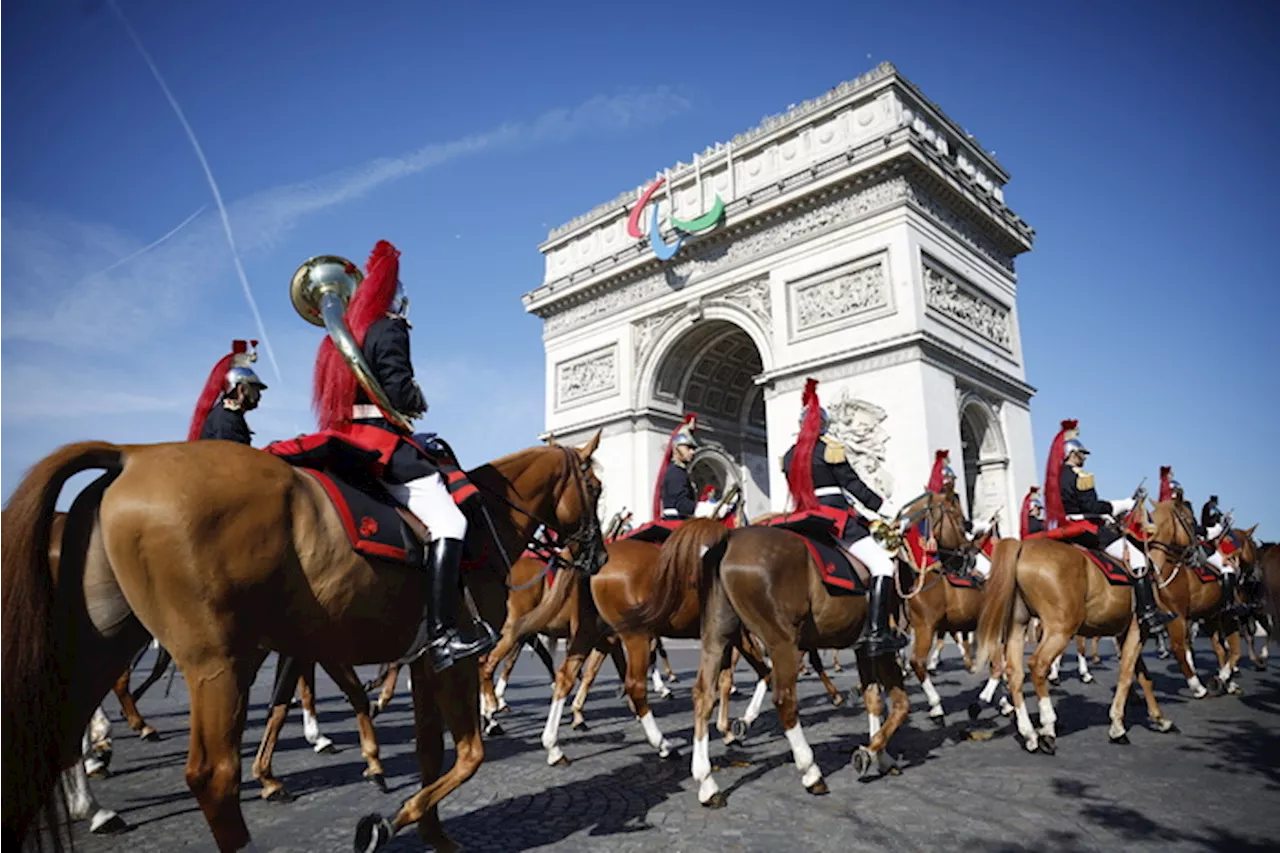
{"x":627,"y":579}
{"x":1191,"y":598}
{"x":1057,"y":583}
{"x":222,"y":552}
{"x":763,"y":580}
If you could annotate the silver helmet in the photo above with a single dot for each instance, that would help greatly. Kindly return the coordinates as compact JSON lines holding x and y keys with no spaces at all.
{"x":826,"y":420}
{"x":1074,"y":445}
{"x":683,"y":438}
{"x":242,"y":375}
{"x":400,"y":302}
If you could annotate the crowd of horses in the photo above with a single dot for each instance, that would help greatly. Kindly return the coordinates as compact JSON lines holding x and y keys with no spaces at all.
{"x":202,"y":546}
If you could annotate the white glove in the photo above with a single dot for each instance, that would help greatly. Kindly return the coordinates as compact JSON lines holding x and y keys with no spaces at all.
{"x":887,"y":511}
{"x":981,"y":526}
{"x":1121,"y":506}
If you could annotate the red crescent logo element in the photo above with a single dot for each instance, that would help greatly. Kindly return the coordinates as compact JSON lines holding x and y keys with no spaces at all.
{"x":633,"y":221}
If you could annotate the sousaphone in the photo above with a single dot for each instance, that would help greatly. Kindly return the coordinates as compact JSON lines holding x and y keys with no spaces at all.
{"x":321,"y":288}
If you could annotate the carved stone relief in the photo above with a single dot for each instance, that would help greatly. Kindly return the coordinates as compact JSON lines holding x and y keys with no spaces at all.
{"x":838,"y":294}
{"x":754,"y":296}
{"x":947,"y":295}
{"x":859,"y":425}
{"x":588,"y":376}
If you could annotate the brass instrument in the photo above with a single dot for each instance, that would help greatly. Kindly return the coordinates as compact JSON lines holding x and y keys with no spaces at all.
{"x":320,"y":290}
{"x":886,"y":535}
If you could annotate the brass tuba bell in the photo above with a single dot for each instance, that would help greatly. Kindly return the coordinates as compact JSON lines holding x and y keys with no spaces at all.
{"x":320,"y":290}
{"x":886,"y":535}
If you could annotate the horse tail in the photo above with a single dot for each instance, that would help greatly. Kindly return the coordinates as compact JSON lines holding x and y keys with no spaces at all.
{"x":679,"y":567}
{"x":163,"y":659}
{"x":33,"y":678}
{"x":553,"y":600}
{"x":997,"y":609}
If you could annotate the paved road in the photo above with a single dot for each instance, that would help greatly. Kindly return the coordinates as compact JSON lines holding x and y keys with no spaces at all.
{"x":1213,"y":786}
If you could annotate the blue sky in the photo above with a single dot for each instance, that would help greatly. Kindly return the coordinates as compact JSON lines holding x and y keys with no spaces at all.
{"x":1140,"y":138}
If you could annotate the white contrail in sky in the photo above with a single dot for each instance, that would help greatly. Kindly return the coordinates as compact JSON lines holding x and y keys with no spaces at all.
{"x":213,"y":185}
{"x":147,"y":248}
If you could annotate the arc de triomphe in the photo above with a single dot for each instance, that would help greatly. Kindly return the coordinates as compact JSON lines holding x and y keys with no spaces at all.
{"x":860,"y":238}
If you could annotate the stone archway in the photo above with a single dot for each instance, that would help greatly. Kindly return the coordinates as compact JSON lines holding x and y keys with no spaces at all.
{"x":711,"y":369}
{"x":986,"y":461}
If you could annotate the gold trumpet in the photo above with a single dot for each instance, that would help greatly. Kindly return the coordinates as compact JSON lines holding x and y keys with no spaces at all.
{"x":320,"y":290}
{"x":886,"y":535}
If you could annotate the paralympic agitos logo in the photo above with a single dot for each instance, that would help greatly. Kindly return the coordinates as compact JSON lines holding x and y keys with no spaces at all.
{"x":664,"y":251}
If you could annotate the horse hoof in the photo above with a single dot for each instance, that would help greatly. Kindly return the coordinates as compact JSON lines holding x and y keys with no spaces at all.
{"x":149,"y":734}
{"x":378,"y":781}
{"x":739,"y":729}
{"x":1087,"y":678}
{"x":113,"y":825}
{"x":324,"y":746}
{"x":580,"y":726}
{"x":279,"y":795}
{"x":1123,"y":740}
{"x":864,"y":761}
{"x":974,"y":710}
{"x":372,"y":832}
{"x":670,"y":755}
{"x":939,"y":720}
{"x":837,"y":700}
{"x":819,"y":788}
{"x":1048,"y":744}
{"x":494,"y":730}
{"x":717,"y":801}
{"x":562,"y":761}
{"x":1055,"y":681}
{"x":1260,"y":666}
{"x":1164,"y":726}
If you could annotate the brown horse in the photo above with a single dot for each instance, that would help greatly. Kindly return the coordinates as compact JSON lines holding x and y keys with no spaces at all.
{"x":764,"y":580}
{"x":158,"y":547}
{"x":1268,"y":598}
{"x":1191,"y":598}
{"x":1058,"y":584}
{"x":626,"y":580}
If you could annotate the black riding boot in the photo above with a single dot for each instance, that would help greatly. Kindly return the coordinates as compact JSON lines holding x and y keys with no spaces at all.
{"x":1230,"y":607}
{"x":877,"y":640}
{"x":1149,"y":616}
{"x":438,"y":633}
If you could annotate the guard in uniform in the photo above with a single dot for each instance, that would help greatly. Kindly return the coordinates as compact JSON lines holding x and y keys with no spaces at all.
{"x":1211,"y":527}
{"x":675,"y":498}
{"x":1032,"y":513}
{"x":1070,"y":496}
{"x":231,"y":390}
{"x":942,"y":481}
{"x":376,"y":319}
{"x":819,"y":472}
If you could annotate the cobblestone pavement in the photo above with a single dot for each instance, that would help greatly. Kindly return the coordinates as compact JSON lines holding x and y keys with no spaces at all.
{"x":1215,"y":785}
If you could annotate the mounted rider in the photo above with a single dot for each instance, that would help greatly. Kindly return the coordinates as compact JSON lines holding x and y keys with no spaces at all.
{"x":1071,"y":498}
{"x":820,"y":473}
{"x":1032,"y":513}
{"x":375,"y":317}
{"x":674,"y":498}
{"x":942,"y":481}
{"x":231,"y":390}
{"x":1221,"y":545}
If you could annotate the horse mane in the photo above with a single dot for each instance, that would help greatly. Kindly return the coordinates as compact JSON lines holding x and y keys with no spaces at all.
{"x":679,"y":563}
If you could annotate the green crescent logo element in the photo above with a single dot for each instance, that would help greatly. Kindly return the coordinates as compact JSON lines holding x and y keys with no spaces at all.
{"x":703,"y":222}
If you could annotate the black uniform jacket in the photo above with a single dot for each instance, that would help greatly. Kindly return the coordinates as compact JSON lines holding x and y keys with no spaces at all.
{"x":386,"y":350}
{"x":1079,"y":497}
{"x":226,"y":424}
{"x":678,"y":498}
{"x":831,"y":469}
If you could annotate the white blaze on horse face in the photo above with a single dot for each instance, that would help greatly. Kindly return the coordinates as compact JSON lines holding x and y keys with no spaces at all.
{"x":550,"y":734}
{"x":803,"y":754}
{"x":757,"y":701}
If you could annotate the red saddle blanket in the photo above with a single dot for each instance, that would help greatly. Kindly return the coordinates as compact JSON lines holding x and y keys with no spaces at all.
{"x":1206,"y":574}
{"x":1112,"y":569}
{"x":815,"y":530}
{"x":965,"y":581}
{"x":655,"y":532}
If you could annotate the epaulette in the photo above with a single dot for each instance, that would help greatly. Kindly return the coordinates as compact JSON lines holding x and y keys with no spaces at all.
{"x":1084,"y":480}
{"x":833,"y":453}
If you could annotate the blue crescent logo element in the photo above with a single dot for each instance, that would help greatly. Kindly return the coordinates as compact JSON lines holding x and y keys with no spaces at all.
{"x":661,"y":249}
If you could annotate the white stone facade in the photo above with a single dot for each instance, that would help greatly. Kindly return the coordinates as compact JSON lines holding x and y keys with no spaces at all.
{"x":866,"y":243}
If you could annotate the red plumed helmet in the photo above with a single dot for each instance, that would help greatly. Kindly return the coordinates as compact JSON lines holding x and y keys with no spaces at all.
{"x":1166,"y":487}
{"x":334,"y":390}
{"x":242,"y":353}
{"x":1054,"y":513}
{"x":800,"y":477}
{"x":687,"y":426}
{"x":1028,"y":503}
{"x":941,"y":458}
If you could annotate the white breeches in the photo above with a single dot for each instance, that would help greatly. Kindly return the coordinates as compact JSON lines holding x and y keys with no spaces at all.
{"x":871,"y":555}
{"x":982,"y":565}
{"x":1216,"y":560}
{"x":428,"y":498}
{"x":1123,"y":546}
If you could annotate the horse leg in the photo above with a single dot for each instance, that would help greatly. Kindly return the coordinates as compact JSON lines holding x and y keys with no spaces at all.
{"x":98,"y":756}
{"x":637,"y":646}
{"x":832,"y":693}
{"x":668,"y":672}
{"x":719,"y":624}
{"x":544,"y":654}
{"x":348,"y":682}
{"x":288,"y":674}
{"x":921,"y":652}
{"x":746,"y":650}
{"x":1082,"y":662}
{"x":936,"y":643}
{"x":1181,"y":650}
{"x":886,"y":674}
{"x":1015,"y":647}
{"x":594,"y":661}
{"x":1050,"y":649}
{"x":1159,"y":721}
{"x":310,"y":722}
{"x":781,"y":642}
{"x":130,"y":708}
{"x":508,"y":646}
{"x":219,"y":700}
{"x":964,"y":639}
{"x":582,"y":642}
{"x":82,"y":804}
{"x":1129,"y":654}
{"x":389,"y":677}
